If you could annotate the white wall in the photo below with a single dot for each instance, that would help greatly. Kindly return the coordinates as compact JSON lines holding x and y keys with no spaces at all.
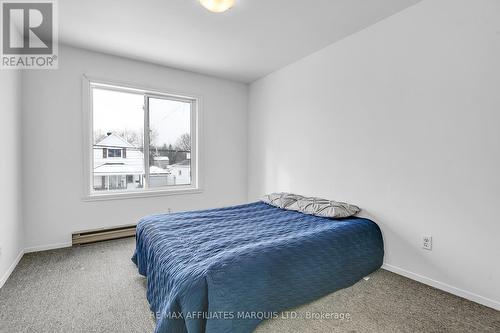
{"x":11,"y":238}
{"x":402,"y":119}
{"x":52,"y":146}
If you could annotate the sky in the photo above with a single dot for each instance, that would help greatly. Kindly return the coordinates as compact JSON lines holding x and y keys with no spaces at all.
{"x":119,"y":111}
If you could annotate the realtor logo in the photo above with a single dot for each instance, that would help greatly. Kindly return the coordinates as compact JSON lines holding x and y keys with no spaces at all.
{"x":29,"y":34}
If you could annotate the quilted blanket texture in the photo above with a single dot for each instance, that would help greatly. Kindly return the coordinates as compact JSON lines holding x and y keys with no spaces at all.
{"x":225,"y":270}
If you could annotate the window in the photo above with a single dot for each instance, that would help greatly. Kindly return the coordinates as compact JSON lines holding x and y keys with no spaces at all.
{"x":114,"y":152}
{"x":142,"y":141}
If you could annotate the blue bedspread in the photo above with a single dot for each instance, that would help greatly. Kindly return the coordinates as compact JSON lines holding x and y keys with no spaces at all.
{"x":222,"y":270}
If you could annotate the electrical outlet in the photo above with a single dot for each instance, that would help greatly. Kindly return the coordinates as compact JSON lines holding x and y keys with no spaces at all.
{"x":427,"y":242}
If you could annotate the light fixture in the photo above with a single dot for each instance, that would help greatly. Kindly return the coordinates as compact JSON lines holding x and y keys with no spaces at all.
{"x":217,"y":6}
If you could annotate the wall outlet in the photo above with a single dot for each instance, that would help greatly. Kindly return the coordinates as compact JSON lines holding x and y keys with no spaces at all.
{"x":427,"y":242}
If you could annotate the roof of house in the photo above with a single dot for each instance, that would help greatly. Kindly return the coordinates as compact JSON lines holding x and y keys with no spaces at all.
{"x":125,"y":169}
{"x":113,"y":140}
{"x":118,"y":169}
{"x":156,"y":170}
{"x":183,"y":163}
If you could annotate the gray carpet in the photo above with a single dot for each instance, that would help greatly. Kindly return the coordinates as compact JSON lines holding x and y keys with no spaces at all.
{"x":96,"y":288}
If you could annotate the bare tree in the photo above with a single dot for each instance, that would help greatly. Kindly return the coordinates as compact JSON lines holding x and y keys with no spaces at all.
{"x":171,"y":153}
{"x":183,"y":143}
{"x":133,"y":137}
{"x":153,"y":136}
{"x":99,"y":135}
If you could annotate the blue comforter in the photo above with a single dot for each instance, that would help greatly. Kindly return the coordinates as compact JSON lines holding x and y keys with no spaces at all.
{"x":224,"y":270}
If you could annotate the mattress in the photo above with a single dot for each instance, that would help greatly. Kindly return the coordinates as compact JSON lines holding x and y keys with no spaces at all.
{"x":226,"y":269}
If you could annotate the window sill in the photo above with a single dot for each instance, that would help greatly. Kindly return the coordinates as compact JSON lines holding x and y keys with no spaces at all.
{"x":140,"y":194}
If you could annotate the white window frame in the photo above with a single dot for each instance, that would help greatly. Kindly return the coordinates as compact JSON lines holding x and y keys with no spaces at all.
{"x":88,"y":156}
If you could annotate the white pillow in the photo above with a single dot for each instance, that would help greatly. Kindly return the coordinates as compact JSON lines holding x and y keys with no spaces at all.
{"x":311,"y":205}
{"x":323,"y":207}
{"x":281,"y":199}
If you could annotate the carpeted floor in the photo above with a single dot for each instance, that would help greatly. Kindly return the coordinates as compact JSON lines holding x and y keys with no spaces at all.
{"x":96,"y":288}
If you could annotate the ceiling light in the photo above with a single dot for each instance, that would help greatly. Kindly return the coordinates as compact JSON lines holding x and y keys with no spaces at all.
{"x":217,"y":6}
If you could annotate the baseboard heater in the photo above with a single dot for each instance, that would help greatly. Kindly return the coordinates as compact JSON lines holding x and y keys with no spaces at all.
{"x":99,"y":235}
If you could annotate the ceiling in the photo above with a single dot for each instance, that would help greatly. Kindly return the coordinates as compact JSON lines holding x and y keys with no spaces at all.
{"x":249,"y":41}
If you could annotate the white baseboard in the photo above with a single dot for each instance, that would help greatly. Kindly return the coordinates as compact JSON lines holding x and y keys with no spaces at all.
{"x":443,"y":286}
{"x":47,"y":247}
{"x":11,"y":268}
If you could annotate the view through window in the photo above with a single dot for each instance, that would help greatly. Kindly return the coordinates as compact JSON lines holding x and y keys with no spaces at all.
{"x":140,"y":141}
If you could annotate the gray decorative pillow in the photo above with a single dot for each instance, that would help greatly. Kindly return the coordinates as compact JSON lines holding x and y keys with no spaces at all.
{"x":323,"y":207}
{"x":281,"y":199}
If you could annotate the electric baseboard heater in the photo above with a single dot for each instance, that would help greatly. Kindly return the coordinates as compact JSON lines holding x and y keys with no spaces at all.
{"x":99,"y":235}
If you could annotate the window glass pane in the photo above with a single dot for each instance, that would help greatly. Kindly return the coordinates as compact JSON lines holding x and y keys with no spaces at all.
{"x":115,"y":152}
{"x":170,"y":142}
{"x":118,"y":158}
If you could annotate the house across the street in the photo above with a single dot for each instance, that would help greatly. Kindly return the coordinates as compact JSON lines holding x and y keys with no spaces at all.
{"x":119,"y":165}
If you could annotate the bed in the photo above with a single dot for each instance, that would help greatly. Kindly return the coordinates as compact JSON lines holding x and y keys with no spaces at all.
{"x":225,"y":270}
